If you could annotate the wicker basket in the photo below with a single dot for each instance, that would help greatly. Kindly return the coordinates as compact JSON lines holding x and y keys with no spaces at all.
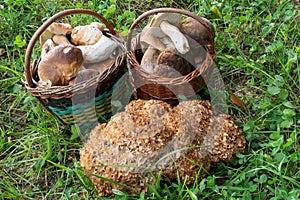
{"x":85,"y":101}
{"x":150,"y":86}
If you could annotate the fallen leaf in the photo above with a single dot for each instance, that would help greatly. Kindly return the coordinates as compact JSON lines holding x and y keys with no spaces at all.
{"x":237,"y":101}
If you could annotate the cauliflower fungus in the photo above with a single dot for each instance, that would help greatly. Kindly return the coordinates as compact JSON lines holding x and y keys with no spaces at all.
{"x":150,"y":136}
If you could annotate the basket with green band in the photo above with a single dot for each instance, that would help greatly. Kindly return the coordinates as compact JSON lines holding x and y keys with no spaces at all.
{"x":83,"y":102}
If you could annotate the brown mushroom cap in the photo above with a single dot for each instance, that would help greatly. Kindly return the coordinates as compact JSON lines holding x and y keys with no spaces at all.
{"x":171,"y":64}
{"x":60,"y":65}
{"x":60,"y":28}
{"x":195,"y":30}
{"x":191,"y":135}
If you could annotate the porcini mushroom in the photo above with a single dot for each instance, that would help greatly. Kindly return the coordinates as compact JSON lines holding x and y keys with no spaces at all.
{"x":148,"y":61}
{"x":179,"y":40}
{"x":60,"y":65}
{"x":98,"y":25}
{"x":199,"y":33}
{"x":171,"y":64}
{"x":60,"y":39}
{"x":161,"y":25}
{"x":147,"y":39}
{"x":100,"y":51}
{"x":86,"y":35}
{"x":60,"y":28}
{"x":47,"y":46}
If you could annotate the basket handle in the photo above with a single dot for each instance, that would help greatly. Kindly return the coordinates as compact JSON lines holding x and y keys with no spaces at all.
{"x":174,"y":10}
{"x":45,"y":25}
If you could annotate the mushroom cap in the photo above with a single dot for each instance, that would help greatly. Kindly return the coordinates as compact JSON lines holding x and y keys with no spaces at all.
{"x":98,"y":25}
{"x":86,"y":35}
{"x":171,"y":64}
{"x":117,"y":151}
{"x":195,"y":30}
{"x":47,"y":46}
{"x":60,"y":28}
{"x":60,"y":65}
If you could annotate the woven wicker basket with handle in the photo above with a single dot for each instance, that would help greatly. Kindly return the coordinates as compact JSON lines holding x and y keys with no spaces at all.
{"x":82,"y":102}
{"x":150,"y":86}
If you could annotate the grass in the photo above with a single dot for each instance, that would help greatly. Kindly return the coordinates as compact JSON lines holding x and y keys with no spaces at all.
{"x":258,"y":52}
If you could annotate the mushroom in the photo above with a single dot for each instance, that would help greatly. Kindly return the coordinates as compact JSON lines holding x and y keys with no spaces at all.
{"x":47,"y":46}
{"x":171,"y":64}
{"x":223,"y":146}
{"x":193,"y":29}
{"x":179,"y":40}
{"x":98,"y":25}
{"x":161,"y":33}
{"x":150,"y":136}
{"x":148,"y":61}
{"x":83,"y":75}
{"x":60,"y":28}
{"x":86,"y":35}
{"x":100,"y":67}
{"x":100,"y":51}
{"x":60,"y":39}
{"x":147,"y":39}
{"x":164,"y":24}
{"x":60,"y":65}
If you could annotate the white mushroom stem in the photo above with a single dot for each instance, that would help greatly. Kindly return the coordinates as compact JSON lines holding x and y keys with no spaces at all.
{"x":179,"y":40}
{"x":167,"y":42}
{"x":149,"y":59}
{"x":100,"y":51}
{"x":148,"y":39}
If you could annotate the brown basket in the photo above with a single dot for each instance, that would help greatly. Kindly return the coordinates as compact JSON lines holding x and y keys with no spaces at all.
{"x":82,"y":102}
{"x":150,"y":86}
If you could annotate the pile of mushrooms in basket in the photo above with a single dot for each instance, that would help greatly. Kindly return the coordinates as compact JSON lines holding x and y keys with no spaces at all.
{"x":152,"y":137}
{"x":172,"y":46}
{"x":74,"y":54}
